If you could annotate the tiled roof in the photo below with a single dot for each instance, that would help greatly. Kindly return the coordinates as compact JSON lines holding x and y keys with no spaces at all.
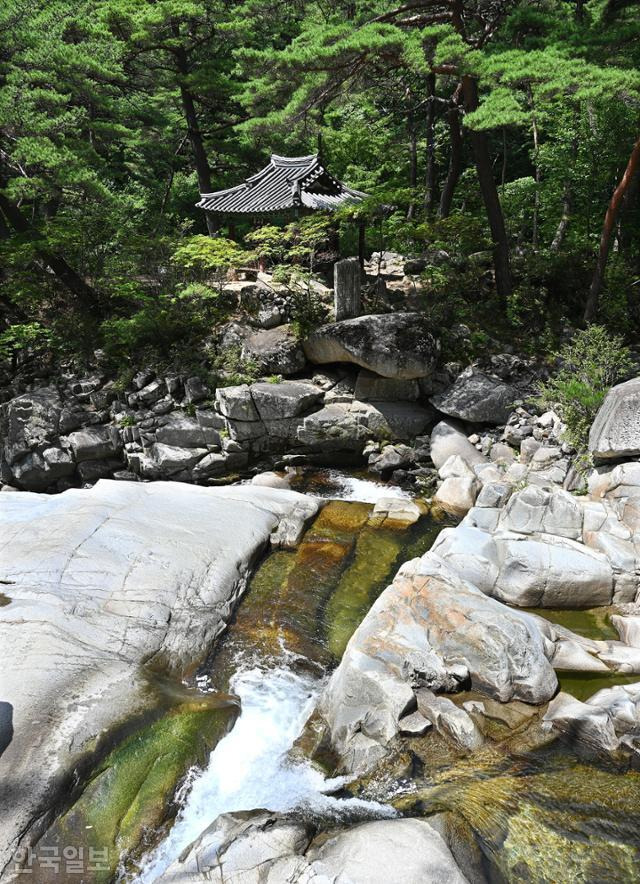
{"x":287,"y":182}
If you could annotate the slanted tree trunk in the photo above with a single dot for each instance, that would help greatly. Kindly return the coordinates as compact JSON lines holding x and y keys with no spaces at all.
{"x":482,"y":157}
{"x":55,"y":263}
{"x":203,"y":170}
{"x":607,"y":229}
{"x":431,"y":172}
{"x":455,"y":163}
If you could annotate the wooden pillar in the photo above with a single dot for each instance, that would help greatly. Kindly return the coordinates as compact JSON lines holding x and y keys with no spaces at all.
{"x":347,"y":288}
{"x":361,"y":243}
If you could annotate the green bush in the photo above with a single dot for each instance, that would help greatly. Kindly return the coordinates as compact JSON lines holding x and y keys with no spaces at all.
{"x":29,"y":337}
{"x":230,"y":368}
{"x":162,"y":324}
{"x":206,"y":254}
{"x":589,"y":365}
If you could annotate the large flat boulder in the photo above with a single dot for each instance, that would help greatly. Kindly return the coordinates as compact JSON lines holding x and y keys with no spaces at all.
{"x":284,"y":400}
{"x":615,"y":432}
{"x":99,"y":582}
{"x":394,"y":345}
{"x":527,"y":571}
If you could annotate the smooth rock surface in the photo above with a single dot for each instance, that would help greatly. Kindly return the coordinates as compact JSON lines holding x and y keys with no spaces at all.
{"x":429,"y":629}
{"x":448,"y":440}
{"x":607,"y":724}
{"x":262,"y":848}
{"x":101,"y":581}
{"x":546,"y":571}
{"x":615,"y":432}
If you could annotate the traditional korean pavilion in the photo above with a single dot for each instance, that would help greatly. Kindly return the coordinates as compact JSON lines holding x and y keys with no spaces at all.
{"x":286,"y":184}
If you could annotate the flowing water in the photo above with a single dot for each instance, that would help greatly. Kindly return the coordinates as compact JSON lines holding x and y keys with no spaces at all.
{"x":531,"y":810}
{"x":294,"y":621}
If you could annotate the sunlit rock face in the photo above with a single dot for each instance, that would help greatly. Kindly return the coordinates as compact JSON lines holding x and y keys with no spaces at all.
{"x":616,"y":430}
{"x":393,"y":345}
{"x":100,"y":581}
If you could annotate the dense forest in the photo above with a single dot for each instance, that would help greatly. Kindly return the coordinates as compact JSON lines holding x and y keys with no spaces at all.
{"x":502,"y":134}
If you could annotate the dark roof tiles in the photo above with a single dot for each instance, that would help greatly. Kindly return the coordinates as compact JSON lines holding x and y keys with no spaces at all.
{"x":285,"y":183}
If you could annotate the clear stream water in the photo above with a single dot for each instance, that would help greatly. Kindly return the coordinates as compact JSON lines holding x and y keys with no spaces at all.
{"x":532,"y":811}
{"x":273,"y":658}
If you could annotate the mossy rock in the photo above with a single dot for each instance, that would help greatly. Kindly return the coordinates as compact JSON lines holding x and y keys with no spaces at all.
{"x":129,"y":797}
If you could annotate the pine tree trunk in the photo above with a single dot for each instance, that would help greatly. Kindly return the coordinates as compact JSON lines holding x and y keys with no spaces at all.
{"x":607,"y":229}
{"x":431,"y":173}
{"x":625,"y":224}
{"x":455,"y":163}
{"x":567,"y":204}
{"x":58,"y":266}
{"x":480,"y":144}
{"x":413,"y":165}
{"x":203,"y":171}
{"x":563,"y":223}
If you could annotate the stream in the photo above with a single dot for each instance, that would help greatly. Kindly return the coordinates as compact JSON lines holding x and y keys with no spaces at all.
{"x":293,"y":622}
{"x":531,"y":810}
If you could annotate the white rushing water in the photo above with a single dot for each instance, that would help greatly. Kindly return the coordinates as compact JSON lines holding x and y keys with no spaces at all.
{"x":343,"y":486}
{"x":367,"y":490}
{"x":249,"y":769}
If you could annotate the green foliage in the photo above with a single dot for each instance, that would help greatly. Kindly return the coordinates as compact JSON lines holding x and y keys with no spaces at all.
{"x":268,"y":242}
{"x":203,"y":254}
{"x":230,"y":368}
{"x":297,"y":242}
{"x":162,"y":325}
{"x":99,"y":152}
{"x":31,"y":338}
{"x":589,"y":365}
{"x":307,"y":311}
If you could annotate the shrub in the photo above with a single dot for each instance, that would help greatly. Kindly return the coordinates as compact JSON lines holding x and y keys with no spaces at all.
{"x":26,"y":338}
{"x":230,"y":368}
{"x":162,"y":323}
{"x":201,"y":255}
{"x":589,"y":365}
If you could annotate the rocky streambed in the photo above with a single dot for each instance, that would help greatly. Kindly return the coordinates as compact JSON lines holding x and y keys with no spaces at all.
{"x":391,"y":692}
